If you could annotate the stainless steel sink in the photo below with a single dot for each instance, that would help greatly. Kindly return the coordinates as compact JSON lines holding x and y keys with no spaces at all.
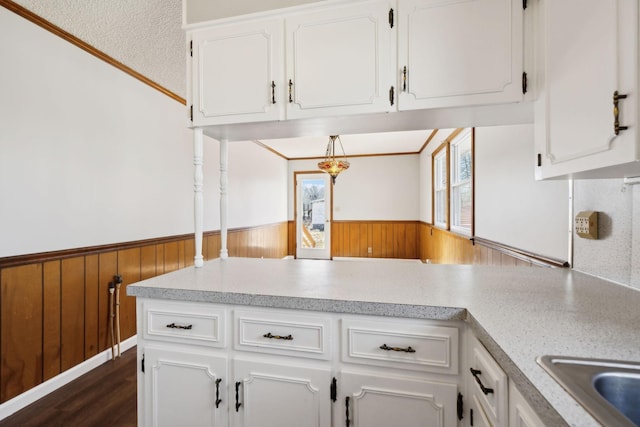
{"x":608,"y":389}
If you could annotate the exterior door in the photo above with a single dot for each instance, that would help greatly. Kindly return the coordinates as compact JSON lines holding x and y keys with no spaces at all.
{"x":313,"y":216}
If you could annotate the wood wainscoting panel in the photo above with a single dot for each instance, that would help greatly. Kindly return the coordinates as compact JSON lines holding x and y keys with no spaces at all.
{"x":375,"y":239}
{"x":129,"y":268}
{"x":52,"y":318}
{"x":108,"y":268}
{"x":91,"y":312}
{"x":21,"y":330}
{"x":55,"y":305}
{"x":73,"y":309}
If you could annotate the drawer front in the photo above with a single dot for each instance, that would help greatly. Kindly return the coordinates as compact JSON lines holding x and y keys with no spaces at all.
{"x":402,"y":344}
{"x":489,"y":383}
{"x":284,"y":333}
{"x":187,"y":323}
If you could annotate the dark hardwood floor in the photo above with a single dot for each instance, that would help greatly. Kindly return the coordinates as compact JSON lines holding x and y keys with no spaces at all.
{"x":106,"y":396}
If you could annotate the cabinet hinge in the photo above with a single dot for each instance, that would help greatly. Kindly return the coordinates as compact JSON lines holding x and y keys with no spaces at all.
{"x":334,"y":389}
{"x":539,"y":163}
{"x":460,"y":407}
{"x":191,"y":48}
{"x":142,"y":364}
{"x":524,"y":82}
{"x":391,"y":20}
{"x":191,"y":112}
{"x":392,"y":95}
{"x":524,"y":4}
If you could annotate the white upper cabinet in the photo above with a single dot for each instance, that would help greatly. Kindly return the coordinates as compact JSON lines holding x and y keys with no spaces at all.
{"x":340,"y":61}
{"x":459,"y":52}
{"x":589,"y":52}
{"x":237,"y":73}
{"x":329,"y":60}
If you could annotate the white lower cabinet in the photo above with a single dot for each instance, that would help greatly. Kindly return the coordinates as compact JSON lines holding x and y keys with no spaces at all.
{"x":184,"y":387}
{"x":487,"y":385}
{"x":276,"y":395}
{"x":492,"y":400}
{"x":383,"y":399}
{"x":477,"y":416}
{"x":292,"y":368}
{"x":520,"y":413}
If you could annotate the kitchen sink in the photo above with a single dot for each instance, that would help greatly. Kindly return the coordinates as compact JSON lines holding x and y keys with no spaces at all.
{"x":608,"y":389}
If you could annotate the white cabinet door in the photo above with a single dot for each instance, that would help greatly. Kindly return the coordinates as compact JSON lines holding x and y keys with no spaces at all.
{"x":184,"y":388}
{"x":589,"y":53}
{"x":276,"y":395}
{"x":459,"y":52}
{"x":237,"y":73}
{"x":477,"y":417}
{"x":520,"y":413}
{"x":339,"y":60}
{"x":386,"y":400}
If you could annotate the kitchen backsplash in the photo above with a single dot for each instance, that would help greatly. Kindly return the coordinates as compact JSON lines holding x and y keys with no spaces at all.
{"x":615,"y":255}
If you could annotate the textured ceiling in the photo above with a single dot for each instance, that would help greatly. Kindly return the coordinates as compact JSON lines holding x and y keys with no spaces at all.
{"x":145,"y":35}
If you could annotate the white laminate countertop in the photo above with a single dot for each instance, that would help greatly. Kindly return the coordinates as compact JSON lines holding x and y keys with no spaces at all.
{"x":519,"y":313}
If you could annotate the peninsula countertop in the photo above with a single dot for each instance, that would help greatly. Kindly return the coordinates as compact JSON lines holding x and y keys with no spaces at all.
{"x":519,"y":313}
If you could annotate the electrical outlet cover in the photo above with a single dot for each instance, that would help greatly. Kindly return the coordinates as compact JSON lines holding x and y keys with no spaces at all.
{"x":586,"y":225}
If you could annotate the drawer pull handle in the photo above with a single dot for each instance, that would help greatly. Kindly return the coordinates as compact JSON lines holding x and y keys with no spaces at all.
{"x":278,"y":337}
{"x":238,"y":404}
{"x":475,"y":373}
{"x":218,"y":400}
{"x":174,"y":326}
{"x":406,"y":350}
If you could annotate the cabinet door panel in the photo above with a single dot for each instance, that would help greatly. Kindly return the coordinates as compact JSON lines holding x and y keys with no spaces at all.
{"x":589,"y":53}
{"x":382,"y":401}
{"x":459,"y":52}
{"x":281,"y":395}
{"x":234,"y":70}
{"x":169,"y":373}
{"x":339,"y":60}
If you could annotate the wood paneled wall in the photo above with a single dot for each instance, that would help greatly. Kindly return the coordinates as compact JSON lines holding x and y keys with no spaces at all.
{"x":375,"y":239}
{"x":444,"y":247}
{"x":54,"y":309}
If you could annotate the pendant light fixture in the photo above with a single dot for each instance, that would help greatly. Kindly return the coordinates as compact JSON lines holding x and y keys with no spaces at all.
{"x":330,"y":164}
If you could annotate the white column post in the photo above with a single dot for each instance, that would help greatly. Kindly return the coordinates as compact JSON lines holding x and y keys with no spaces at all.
{"x":224,"y":182}
{"x":198,"y":203}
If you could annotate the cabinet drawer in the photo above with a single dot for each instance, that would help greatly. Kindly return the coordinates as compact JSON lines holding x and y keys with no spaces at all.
{"x":488,"y":383}
{"x":187,"y":323}
{"x":283,"y":333}
{"x":401,"y":343}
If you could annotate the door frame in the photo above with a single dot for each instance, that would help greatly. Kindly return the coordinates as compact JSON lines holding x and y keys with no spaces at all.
{"x":329,"y":215}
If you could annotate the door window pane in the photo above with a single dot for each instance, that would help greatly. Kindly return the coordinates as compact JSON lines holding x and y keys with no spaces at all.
{"x":313,"y":214}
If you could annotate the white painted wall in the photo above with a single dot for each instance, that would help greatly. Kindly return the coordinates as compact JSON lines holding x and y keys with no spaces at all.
{"x":510,"y":206}
{"x":257,"y":186}
{"x":373,"y":188}
{"x":91,"y":156}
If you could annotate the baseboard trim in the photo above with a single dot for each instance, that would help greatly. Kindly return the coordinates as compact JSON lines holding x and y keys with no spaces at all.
{"x":23,"y":400}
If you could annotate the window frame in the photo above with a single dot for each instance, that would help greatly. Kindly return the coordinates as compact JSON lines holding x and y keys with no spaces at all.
{"x":455,"y":183}
{"x":441,"y":151}
{"x":457,"y":136}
